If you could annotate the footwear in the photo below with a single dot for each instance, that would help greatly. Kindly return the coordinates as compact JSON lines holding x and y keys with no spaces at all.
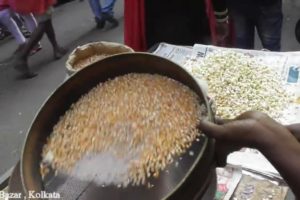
{"x":19,"y":49}
{"x":29,"y":75}
{"x":4,"y":34}
{"x":59,"y":52}
{"x":100,"y":23}
{"x":22,"y":66}
{"x":7,"y":62}
{"x":110,"y":18}
{"x":36,"y":49}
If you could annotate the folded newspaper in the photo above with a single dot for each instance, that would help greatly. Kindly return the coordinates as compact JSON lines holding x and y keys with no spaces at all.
{"x":288,"y":66}
{"x":228,"y":178}
{"x":286,"y":63}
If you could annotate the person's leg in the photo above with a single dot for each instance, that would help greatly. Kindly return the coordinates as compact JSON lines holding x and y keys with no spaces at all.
{"x":269,"y":26}
{"x":20,"y":61}
{"x":11,"y":25}
{"x":17,"y":19}
{"x":58,"y":50}
{"x":20,"y":22}
{"x":97,"y":10}
{"x":108,"y":14}
{"x":31,"y":25}
{"x":109,"y":6}
{"x":30,"y":22}
{"x":3,"y":31}
{"x":243,"y":25}
{"x":244,"y":31}
{"x":33,"y":41}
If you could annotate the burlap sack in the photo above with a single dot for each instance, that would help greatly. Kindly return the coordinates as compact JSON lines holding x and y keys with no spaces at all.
{"x":82,"y":54}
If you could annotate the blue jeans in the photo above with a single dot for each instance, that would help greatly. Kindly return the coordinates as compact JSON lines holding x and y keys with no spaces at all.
{"x":98,"y":9}
{"x":250,"y":14}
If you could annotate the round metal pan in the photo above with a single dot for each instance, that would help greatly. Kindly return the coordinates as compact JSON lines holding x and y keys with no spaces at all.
{"x":188,"y":177}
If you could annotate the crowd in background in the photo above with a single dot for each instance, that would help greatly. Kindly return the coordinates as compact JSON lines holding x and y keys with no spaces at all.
{"x":27,"y":21}
{"x":230,"y":23}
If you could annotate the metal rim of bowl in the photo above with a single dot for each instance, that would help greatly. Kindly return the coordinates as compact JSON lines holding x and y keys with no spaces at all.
{"x":211,"y":117}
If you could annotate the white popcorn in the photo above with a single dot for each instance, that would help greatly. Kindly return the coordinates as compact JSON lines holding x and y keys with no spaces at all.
{"x":238,"y":83}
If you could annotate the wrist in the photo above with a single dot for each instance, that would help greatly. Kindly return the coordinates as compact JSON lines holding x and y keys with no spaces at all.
{"x":270,"y":143}
{"x":221,"y":16}
{"x":223,"y":20}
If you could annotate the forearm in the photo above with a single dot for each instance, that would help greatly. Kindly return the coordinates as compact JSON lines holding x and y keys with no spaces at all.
{"x":295,"y":130}
{"x":257,"y":130}
{"x":285,"y":156}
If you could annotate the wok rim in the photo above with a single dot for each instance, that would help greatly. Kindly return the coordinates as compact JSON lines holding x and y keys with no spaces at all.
{"x":208,"y":143}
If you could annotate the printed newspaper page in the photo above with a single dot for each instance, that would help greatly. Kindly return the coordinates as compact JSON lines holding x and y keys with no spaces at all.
{"x":287,"y":64}
{"x":228,"y":178}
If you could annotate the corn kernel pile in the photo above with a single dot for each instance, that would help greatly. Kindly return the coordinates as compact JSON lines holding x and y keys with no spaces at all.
{"x":238,"y":83}
{"x":142,"y":118}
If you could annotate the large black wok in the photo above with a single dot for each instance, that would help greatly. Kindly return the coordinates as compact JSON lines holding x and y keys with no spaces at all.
{"x":189,"y":179}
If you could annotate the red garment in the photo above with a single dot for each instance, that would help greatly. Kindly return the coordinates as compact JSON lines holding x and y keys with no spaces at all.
{"x":134,"y":30}
{"x":134,"y":33}
{"x":212,"y":21}
{"x":212,"y":26}
{"x":3,"y":4}
{"x":37,"y":7}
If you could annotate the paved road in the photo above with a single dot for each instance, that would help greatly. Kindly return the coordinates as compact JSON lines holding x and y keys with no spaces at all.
{"x":20,"y":99}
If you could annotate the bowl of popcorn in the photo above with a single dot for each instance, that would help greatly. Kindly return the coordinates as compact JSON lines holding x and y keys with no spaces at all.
{"x":85,"y":55}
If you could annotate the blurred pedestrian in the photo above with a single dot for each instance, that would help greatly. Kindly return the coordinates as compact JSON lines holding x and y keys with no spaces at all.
{"x":7,"y":17}
{"x":148,"y":23}
{"x":4,"y":7}
{"x":43,"y":10}
{"x":27,"y":23}
{"x":263,"y":15}
{"x":21,"y":24}
{"x":103,"y":13}
{"x":4,"y":33}
{"x":7,"y":21}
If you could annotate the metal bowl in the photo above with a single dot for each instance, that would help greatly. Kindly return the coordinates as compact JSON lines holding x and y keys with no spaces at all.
{"x":188,"y":178}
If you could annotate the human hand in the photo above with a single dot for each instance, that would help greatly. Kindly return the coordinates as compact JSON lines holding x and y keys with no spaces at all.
{"x":295,"y":130}
{"x":250,"y":129}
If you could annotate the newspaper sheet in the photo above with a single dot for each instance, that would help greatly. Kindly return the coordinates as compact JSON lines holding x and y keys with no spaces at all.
{"x":254,"y":189}
{"x":287,"y":64}
{"x":228,"y":179}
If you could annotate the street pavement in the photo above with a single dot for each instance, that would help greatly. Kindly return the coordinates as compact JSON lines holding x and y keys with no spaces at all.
{"x":74,"y":25}
{"x":21,"y":99}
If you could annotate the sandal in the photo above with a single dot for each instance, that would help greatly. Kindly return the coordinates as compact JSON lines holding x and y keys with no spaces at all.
{"x":59,"y":52}
{"x":36,"y":49}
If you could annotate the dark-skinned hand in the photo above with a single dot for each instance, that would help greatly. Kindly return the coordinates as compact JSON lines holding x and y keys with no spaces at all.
{"x":280,"y":144}
{"x":250,"y":129}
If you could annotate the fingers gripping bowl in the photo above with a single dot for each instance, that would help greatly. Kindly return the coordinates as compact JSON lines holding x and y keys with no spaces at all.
{"x":188,"y":176}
